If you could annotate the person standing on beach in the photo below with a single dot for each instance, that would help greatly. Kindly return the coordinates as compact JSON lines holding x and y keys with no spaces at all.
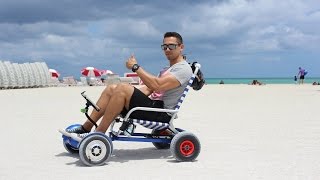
{"x":301,"y":74}
{"x":121,"y":98}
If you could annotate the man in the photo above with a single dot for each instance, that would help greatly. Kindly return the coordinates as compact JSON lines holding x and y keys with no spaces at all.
{"x":301,"y":74}
{"x":119,"y":99}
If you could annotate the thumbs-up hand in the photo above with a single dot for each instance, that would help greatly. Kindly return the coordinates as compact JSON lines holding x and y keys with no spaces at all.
{"x":131,"y":61}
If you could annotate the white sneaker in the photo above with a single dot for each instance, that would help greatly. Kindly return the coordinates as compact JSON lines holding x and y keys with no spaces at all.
{"x":78,"y":137}
{"x":78,"y":130}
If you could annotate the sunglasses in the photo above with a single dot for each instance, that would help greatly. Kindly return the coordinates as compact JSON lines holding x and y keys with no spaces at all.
{"x":170,"y":46}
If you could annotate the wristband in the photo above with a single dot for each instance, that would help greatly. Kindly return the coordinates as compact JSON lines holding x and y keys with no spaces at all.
{"x":135,"y":67}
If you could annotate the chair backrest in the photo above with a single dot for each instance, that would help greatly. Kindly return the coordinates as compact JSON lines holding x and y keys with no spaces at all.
{"x":186,"y":90}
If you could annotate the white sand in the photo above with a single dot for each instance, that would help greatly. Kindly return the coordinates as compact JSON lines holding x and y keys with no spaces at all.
{"x":247,"y":132}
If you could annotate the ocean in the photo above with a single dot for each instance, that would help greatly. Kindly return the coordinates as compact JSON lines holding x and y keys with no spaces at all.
{"x":263,"y":80}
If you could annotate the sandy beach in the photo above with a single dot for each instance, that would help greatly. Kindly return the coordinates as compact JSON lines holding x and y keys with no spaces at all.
{"x":246,"y":132}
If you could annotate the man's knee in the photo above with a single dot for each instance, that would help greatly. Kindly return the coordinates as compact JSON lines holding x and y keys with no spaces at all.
{"x":118,"y":89}
{"x":124,"y":89}
{"x":109,"y":89}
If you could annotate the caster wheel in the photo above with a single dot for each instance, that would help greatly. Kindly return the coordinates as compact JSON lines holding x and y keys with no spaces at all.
{"x":161,"y":132}
{"x":95,"y":149}
{"x":185,"y":146}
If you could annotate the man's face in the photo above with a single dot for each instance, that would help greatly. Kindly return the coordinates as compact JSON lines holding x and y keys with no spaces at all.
{"x":172,"y":49}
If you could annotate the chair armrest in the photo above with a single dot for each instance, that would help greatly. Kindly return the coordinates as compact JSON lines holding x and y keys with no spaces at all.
{"x":149,"y":109}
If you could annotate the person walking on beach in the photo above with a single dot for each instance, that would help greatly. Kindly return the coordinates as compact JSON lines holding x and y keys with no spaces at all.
{"x":301,"y":74}
{"x":120,"y":98}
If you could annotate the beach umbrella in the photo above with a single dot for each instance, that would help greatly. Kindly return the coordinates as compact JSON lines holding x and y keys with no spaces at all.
{"x":90,"y":72}
{"x":54,"y":73}
{"x":105,"y":72}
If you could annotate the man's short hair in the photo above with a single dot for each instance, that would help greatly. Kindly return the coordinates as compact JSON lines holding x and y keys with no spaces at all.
{"x":174,"y":34}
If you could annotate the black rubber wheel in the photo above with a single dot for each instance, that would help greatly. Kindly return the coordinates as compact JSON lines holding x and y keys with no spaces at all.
{"x":161,"y":132}
{"x":95,"y":149}
{"x":185,"y":146}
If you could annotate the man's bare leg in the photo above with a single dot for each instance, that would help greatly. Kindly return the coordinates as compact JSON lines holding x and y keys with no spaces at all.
{"x":120,"y":98}
{"x":102,"y":103}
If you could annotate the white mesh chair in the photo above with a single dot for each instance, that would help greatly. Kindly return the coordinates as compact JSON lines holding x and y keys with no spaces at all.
{"x":4,"y":82}
{"x":46,"y":73}
{"x":31,"y":77}
{"x":5,"y":76}
{"x":36,"y":74}
{"x":26,"y":70}
{"x":11,"y":75}
{"x":42,"y":74}
{"x":25,"y":74}
{"x":17,"y":74}
{"x":22,"y":76}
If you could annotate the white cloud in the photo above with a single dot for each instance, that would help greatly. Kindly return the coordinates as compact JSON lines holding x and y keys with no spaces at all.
{"x":255,"y":25}
{"x":55,"y":39}
{"x":136,"y":27}
{"x":226,"y":28}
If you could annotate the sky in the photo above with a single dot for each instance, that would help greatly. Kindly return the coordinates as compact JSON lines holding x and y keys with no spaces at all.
{"x":230,"y":38}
